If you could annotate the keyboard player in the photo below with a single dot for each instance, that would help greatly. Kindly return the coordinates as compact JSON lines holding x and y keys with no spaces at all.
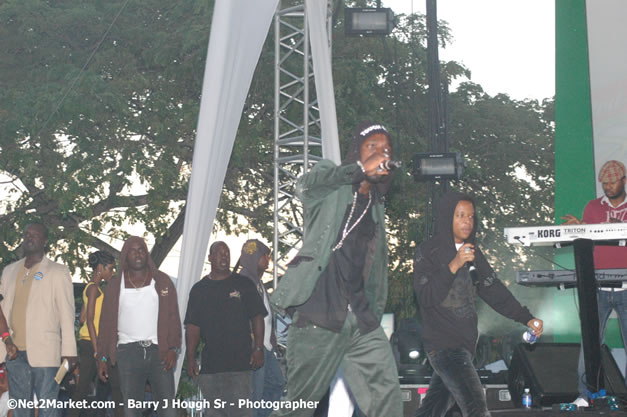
{"x":611,"y":208}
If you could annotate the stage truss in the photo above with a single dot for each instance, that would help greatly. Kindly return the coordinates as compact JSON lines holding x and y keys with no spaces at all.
{"x":297,"y":142}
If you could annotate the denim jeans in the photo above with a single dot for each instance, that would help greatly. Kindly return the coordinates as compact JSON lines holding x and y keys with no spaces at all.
{"x":24,"y":380}
{"x":268,"y":383}
{"x":138,"y":365}
{"x":228,"y":387}
{"x":454,"y":380}
{"x":607,"y":301}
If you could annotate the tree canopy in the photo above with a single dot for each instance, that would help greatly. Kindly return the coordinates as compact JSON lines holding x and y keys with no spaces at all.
{"x":99,"y":104}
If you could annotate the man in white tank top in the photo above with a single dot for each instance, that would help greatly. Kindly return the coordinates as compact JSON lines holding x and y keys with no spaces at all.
{"x":140,"y":331}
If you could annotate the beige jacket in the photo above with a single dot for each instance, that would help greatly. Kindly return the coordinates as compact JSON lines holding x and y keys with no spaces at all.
{"x":49,"y":314}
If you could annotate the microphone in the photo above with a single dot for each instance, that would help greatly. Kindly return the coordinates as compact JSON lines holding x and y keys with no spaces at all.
{"x":471,"y":268}
{"x":473,"y":272}
{"x":389,"y":165}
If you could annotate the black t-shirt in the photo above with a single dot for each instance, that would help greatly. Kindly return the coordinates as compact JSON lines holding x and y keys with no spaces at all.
{"x":342,"y":281}
{"x":223,"y":310}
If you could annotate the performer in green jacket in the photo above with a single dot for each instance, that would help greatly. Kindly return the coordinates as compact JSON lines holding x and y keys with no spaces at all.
{"x":335,"y":289}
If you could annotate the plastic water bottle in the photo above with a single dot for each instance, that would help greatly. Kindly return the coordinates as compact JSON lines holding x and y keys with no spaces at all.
{"x":529,"y":337}
{"x":526,"y":399}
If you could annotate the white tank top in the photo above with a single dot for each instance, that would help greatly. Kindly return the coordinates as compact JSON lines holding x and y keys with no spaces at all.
{"x":138,"y":313}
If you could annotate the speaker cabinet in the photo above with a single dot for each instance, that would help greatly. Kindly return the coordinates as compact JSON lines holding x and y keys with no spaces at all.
{"x":411,"y":395}
{"x":549,"y":370}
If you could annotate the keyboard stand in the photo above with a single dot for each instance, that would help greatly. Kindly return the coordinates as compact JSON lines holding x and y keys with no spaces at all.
{"x":589,"y":313}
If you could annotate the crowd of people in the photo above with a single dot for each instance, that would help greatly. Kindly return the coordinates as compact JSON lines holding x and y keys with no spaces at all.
{"x":131,"y":331}
{"x":335,"y":291}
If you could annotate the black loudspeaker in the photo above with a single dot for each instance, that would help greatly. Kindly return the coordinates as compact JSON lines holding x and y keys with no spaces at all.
{"x":411,"y":399}
{"x":549,"y":370}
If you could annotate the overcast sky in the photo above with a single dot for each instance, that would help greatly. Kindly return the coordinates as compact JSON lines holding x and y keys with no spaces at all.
{"x":509,"y":45}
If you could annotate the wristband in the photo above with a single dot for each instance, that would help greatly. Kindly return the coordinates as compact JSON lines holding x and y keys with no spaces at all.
{"x":258,"y":349}
{"x":361,"y":166}
{"x":4,"y":336}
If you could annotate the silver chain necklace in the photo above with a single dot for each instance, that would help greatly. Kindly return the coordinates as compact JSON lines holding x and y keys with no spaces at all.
{"x":345,"y":232}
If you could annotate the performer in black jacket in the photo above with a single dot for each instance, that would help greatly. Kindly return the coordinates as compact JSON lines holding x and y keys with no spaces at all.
{"x":446,"y":285}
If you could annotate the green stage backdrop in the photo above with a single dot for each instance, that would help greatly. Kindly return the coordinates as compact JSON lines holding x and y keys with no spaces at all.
{"x":590,"y":122}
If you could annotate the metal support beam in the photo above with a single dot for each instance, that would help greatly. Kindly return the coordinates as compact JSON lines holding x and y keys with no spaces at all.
{"x":297,"y":142}
{"x":438,"y":141}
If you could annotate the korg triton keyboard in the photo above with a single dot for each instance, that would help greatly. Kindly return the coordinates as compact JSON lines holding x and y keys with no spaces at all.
{"x":555,"y":235}
{"x":565,"y":278}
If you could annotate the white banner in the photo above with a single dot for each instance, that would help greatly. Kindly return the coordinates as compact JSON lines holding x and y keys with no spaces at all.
{"x":607,"y":56}
{"x":238,"y":31}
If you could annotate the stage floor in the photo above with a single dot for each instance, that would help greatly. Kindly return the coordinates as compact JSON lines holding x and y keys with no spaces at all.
{"x":551,"y":413}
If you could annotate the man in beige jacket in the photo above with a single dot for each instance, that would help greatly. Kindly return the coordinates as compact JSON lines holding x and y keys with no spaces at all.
{"x":38,"y":302}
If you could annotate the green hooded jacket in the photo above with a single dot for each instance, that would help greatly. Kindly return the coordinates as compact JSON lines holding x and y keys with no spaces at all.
{"x":325,"y":192}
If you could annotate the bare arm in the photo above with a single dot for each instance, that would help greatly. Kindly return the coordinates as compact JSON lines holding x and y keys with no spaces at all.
{"x":92,"y":295}
{"x":192,"y":337}
{"x":4,"y":328}
{"x":570,"y":219}
{"x":257,"y":357}
{"x":83,"y":315}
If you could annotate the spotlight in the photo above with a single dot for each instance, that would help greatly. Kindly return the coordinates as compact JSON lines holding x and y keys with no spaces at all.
{"x":368,"y":21}
{"x":409,"y":342}
{"x":436,"y":166}
{"x":411,"y":359}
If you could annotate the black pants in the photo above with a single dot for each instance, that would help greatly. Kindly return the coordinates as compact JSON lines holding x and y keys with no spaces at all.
{"x":136,"y":365}
{"x":88,"y":371}
{"x":454,"y":380}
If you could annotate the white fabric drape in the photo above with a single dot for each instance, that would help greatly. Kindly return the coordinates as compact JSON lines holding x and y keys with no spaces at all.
{"x":316,"y":11}
{"x":238,"y":31}
{"x":608,"y":81}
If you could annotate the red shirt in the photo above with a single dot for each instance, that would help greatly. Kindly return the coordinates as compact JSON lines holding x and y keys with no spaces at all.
{"x":601,"y":211}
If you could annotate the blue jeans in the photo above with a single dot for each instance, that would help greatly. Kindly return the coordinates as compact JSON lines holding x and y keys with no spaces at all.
{"x":454,"y":380}
{"x":268,"y":382}
{"x":26,"y":380}
{"x":136,"y":365}
{"x":608,"y":301}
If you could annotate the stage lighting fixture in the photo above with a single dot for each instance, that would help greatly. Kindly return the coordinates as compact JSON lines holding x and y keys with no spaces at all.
{"x":409,"y":346}
{"x":411,"y":359}
{"x":436,"y":166}
{"x":408,"y":342}
{"x":368,"y":21}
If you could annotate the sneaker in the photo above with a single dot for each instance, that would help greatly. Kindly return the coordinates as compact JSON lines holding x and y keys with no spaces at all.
{"x":580,"y":402}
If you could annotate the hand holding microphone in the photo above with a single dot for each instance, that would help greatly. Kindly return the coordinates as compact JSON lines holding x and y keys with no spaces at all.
{"x":378,"y":164}
{"x":471,"y":265}
{"x":390,"y":165}
{"x":465,"y":255}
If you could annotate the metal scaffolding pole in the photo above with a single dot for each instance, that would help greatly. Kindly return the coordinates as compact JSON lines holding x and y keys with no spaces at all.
{"x":438,"y":140}
{"x":297,"y":142}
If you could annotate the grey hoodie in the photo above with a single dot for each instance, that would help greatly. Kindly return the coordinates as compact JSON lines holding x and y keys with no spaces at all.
{"x":252,"y":251}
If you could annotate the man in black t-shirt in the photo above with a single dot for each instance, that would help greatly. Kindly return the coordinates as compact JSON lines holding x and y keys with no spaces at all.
{"x":222,"y":309}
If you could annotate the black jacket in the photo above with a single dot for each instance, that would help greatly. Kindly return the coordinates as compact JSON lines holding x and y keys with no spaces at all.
{"x":447,"y":301}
